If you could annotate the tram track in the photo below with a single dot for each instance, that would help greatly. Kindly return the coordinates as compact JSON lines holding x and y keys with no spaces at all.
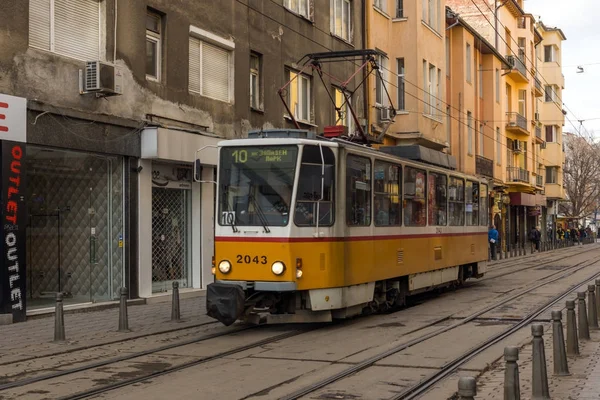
{"x":422,"y":386}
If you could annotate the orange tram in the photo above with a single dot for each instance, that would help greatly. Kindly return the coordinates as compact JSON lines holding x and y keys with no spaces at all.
{"x":311,"y":229}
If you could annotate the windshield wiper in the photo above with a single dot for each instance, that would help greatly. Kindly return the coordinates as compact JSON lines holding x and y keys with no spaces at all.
{"x":260,"y":213}
{"x":233,"y":227}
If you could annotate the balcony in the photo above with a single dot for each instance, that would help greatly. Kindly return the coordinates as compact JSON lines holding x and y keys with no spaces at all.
{"x":538,"y":134}
{"x":517,"y":175}
{"x":516,"y":123}
{"x":538,"y":89}
{"x":484,"y":166}
{"x":539,"y":179}
{"x":518,"y":71}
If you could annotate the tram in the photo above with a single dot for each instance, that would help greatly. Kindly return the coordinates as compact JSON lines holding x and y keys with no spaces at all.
{"x":311,"y":229}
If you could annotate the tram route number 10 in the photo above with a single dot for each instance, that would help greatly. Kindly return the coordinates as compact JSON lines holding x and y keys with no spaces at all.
{"x":240,"y":156}
{"x":246,"y":259}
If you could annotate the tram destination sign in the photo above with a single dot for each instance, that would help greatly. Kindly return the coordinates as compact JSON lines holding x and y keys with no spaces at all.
{"x":264,"y":155}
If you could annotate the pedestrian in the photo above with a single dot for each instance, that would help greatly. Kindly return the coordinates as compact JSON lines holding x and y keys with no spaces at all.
{"x":575,"y":235}
{"x":534,"y":237}
{"x":493,"y":239}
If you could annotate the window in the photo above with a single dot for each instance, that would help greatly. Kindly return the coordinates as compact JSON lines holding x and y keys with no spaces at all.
{"x":468,"y":62}
{"x":399,"y":8}
{"x":523,"y":102}
{"x":153,"y":46}
{"x":550,"y":53}
{"x":210,"y":72}
{"x":380,"y":95}
{"x":308,"y":198}
{"x":522,"y":48}
{"x":387,"y":188}
{"x":342,"y":112}
{"x":71,"y":28}
{"x":381,"y":5}
{"x":480,"y":81}
{"x":430,"y":14}
{"x":551,"y":174}
{"x":401,"y":90}
{"x":484,"y":206}
{"x":449,"y":128}
{"x":437,"y":206}
{"x":424,"y":7}
{"x":551,"y":133}
{"x":469,"y":133}
{"x":300,"y":7}
{"x":521,"y":23}
{"x":447,"y":55}
{"x":498,"y":147}
{"x":255,"y":81}
{"x":472,"y":202}
{"x":481,"y":141}
{"x":414,"y":197}
{"x":299,"y":96}
{"x":432,"y":88}
{"x":507,"y":98}
{"x":456,"y":201}
{"x":341,"y":18}
{"x":358,"y":191}
{"x":550,"y":93}
{"x":497,"y":85}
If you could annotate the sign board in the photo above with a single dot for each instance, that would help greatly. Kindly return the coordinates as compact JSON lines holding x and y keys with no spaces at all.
{"x":13,"y":118}
{"x":13,"y":235}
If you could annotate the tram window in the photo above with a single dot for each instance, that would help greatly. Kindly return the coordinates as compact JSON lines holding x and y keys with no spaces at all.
{"x":483,"y":208}
{"x":415,"y":206}
{"x":456,"y":201}
{"x":472,"y":208}
{"x":309,"y":188}
{"x":358,"y":191}
{"x":437,"y":207}
{"x":387,"y":194}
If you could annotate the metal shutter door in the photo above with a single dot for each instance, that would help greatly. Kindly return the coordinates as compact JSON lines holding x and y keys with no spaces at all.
{"x":215,"y":72}
{"x":194,"y":71}
{"x":39,"y":24}
{"x":77,"y":28}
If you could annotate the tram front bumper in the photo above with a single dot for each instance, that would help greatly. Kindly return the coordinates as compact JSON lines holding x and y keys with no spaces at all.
{"x":225,"y":302}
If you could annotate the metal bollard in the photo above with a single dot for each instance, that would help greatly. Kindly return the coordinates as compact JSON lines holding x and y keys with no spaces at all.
{"x":512,"y":388}
{"x":499,"y":250}
{"x":592,"y":312}
{"x":467,"y":388}
{"x":572,"y":341}
{"x":123,"y":322}
{"x":539,"y":381}
{"x":584,"y":328}
{"x":506,"y":252}
{"x":598,"y":297}
{"x":519,"y":247}
{"x":59,"y":319}
{"x":558,"y":345}
{"x":175,"y":313}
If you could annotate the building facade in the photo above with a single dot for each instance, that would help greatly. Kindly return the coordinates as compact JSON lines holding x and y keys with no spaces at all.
{"x":120,"y":95}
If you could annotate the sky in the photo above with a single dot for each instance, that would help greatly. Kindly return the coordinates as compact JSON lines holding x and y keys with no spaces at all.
{"x":579,"y":21}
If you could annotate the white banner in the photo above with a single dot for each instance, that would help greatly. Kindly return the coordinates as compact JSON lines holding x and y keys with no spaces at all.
{"x":13,"y":118}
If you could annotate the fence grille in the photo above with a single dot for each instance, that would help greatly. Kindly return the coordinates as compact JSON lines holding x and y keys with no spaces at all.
{"x":169,"y":236}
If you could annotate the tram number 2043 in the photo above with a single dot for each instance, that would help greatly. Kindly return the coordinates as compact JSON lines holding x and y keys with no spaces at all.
{"x":247,"y":259}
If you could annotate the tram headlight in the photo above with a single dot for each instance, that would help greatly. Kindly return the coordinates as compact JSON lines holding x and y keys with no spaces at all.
{"x":225,"y":267}
{"x":278,"y":268}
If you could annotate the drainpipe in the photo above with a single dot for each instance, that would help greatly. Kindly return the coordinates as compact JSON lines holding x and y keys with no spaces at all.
{"x":461,"y":141}
{"x":115,"y":33}
{"x":497,"y":7}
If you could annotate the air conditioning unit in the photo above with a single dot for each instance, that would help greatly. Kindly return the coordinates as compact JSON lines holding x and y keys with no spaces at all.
{"x":517,"y":146}
{"x":385,"y":114}
{"x":543,"y":145}
{"x":537,"y":116}
{"x":101,"y":78}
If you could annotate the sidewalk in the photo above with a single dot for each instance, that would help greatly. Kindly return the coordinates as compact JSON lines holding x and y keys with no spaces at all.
{"x":33,"y":338}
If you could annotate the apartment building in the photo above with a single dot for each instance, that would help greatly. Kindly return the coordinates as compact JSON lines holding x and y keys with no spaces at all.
{"x":120,"y":94}
{"x":551,"y":117}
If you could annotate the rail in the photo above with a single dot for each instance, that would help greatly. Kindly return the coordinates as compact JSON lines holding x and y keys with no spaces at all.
{"x":514,"y":119}
{"x":484,"y":166}
{"x":516,"y":174}
{"x":518,"y":64}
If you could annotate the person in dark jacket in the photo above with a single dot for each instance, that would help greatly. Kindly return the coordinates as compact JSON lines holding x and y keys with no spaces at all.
{"x":535,"y":237}
{"x":493,"y":240}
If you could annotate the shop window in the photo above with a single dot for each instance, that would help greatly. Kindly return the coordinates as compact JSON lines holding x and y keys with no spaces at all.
{"x":456,"y":201}
{"x":387,"y":194}
{"x":358,"y":191}
{"x":414,"y":197}
{"x":309,"y":199}
{"x":437,"y":196}
{"x":472,"y":203}
{"x":484,"y":206}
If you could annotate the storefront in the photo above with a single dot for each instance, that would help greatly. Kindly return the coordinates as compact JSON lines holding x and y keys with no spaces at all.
{"x":75,"y":230}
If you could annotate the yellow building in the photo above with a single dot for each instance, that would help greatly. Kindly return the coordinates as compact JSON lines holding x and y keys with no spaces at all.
{"x":410,"y":36}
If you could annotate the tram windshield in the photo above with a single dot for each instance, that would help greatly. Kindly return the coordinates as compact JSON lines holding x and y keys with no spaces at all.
{"x":255,"y":185}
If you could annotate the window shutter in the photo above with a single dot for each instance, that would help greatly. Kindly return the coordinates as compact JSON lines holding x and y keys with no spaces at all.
{"x":39,"y":24}
{"x":194,"y":71}
{"x":77,"y":28}
{"x":215,"y":72}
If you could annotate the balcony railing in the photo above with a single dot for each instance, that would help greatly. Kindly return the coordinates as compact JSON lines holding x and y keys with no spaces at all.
{"x":514,"y":119}
{"x":484,"y":166}
{"x":538,"y":84}
{"x":518,"y":64}
{"x":539,"y":181}
{"x":516,"y":174}
{"x":538,"y":131}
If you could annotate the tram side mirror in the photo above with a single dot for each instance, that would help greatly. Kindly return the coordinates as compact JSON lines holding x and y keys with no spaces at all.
{"x":197,"y":170}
